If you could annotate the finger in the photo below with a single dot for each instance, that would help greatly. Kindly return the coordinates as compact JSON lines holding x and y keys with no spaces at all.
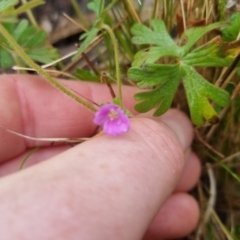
{"x":33,"y":107}
{"x":47,"y":152}
{"x":177,"y":121}
{"x":190,"y":175}
{"x":105,"y":188}
{"x":177,"y":218}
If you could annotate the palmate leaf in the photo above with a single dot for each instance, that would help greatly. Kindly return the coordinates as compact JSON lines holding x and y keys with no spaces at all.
{"x":157,"y":36}
{"x":164,"y":79}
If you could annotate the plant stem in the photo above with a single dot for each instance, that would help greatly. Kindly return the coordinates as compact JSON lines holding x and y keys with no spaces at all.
{"x":79,"y":13}
{"x":118,"y":72}
{"x":40,"y":71}
{"x":27,"y":157}
{"x":30,"y":15}
{"x":132,"y":11}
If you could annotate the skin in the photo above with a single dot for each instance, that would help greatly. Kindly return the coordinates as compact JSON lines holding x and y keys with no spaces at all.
{"x":133,"y":186}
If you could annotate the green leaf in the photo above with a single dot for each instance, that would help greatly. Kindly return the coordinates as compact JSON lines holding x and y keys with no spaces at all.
{"x":31,"y":39}
{"x":231,"y":32}
{"x":154,"y":74}
{"x":89,"y":37}
{"x":43,"y":55}
{"x":152,"y":55}
{"x":96,"y":6}
{"x":4,"y":4}
{"x":19,"y":30}
{"x":164,"y":78}
{"x":199,"y":92}
{"x":158,"y":36}
{"x":161,"y":98}
{"x":86,"y":75}
{"x":214,"y":54}
{"x":27,"y":6}
{"x":192,"y":35}
{"x":6,"y":60}
{"x":99,"y":7}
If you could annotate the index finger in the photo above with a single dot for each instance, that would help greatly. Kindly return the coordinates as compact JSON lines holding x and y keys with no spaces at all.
{"x":31,"y":106}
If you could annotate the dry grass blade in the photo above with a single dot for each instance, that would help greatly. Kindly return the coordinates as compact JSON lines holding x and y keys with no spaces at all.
{"x":66,"y":140}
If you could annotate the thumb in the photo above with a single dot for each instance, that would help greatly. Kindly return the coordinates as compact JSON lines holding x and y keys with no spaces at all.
{"x":105,"y":188}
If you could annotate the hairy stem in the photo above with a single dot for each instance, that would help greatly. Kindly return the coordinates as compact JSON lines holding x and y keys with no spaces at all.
{"x":118,"y":72}
{"x":40,"y":71}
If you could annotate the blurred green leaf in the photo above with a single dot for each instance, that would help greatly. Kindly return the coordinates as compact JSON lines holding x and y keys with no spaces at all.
{"x":213,"y":54}
{"x":6,"y":60}
{"x":231,"y":32}
{"x":86,"y":75}
{"x":31,"y":39}
{"x":100,"y":7}
{"x":89,"y":37}
{"x":4,"y":4}
{"x":96,"y":6}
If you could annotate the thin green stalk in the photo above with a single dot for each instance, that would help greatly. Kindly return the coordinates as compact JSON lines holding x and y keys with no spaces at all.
{"x":118,"y":72}
{"x":79,"y":13}
{"x":30,"y":15}
{"x":156,"y":9}
{"x":40,"y":71}
{"x":132,"y":11}
{"x":27,"y":157}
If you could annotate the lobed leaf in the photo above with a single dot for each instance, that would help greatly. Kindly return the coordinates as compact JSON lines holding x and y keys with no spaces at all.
{"x":192,"y":35}
{"x":154,"y":74}
{"x":214,"y":54}
{"x":152,"y":55}
{"x":199,"y":92}
{"x":165,"y":78}
{"x":158,"y":36}
{"x":161,"y":98}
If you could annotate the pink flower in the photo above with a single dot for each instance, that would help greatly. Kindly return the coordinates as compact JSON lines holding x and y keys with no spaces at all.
{"x":113,"y":119}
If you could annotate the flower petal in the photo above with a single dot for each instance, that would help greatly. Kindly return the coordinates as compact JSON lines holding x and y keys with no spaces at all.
{"x":113,"y":119}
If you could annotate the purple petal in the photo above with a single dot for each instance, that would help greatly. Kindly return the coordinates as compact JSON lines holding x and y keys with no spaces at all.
{"x":113,"y":119}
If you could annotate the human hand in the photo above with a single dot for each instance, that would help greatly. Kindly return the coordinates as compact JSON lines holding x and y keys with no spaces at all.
{"x":105,"y":188}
